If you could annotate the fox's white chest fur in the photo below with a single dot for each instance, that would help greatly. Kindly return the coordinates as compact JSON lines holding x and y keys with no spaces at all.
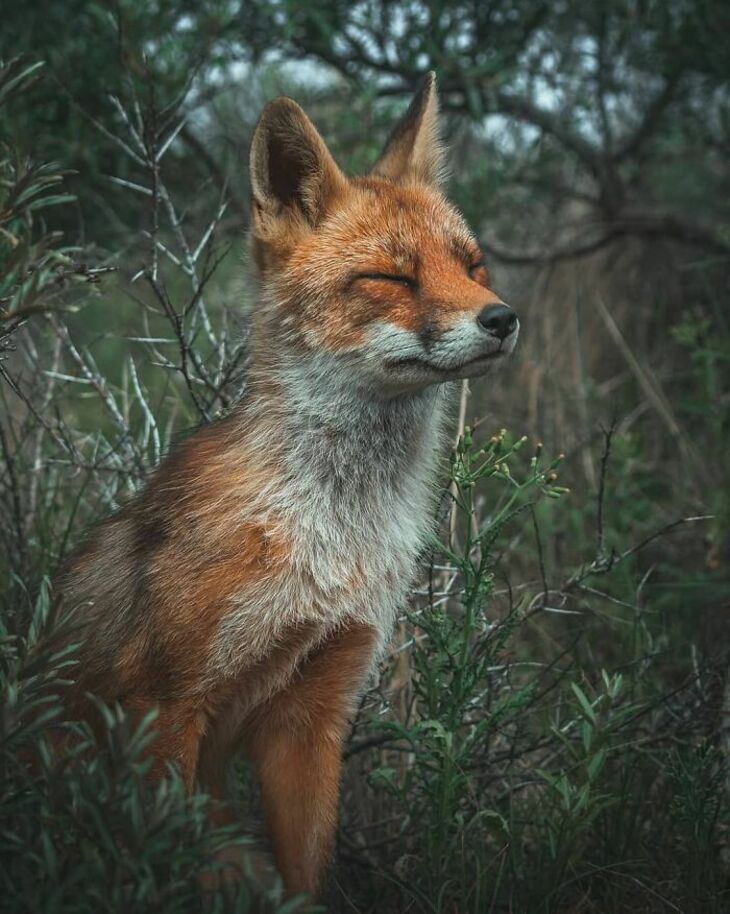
{"x":357,"y":503}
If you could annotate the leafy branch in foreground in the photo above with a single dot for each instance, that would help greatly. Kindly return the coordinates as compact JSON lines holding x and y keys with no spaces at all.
{"x":83,"y":829}
{"x":34,"y":266}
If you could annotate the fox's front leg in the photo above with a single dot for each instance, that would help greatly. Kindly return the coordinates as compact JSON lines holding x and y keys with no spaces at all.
{"x":295,"y":741}
{"x":178,"y":728}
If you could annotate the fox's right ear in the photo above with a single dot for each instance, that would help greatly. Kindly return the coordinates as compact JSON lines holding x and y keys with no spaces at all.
{"x":293,"y":174}
{"x":414,"y":149}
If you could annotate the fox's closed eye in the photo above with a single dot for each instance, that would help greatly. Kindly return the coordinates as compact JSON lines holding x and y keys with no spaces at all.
{"x":478,"y":272}
{"x":389,"y":277}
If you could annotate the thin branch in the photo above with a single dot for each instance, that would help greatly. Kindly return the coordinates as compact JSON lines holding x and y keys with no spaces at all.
{"x":607,"y":438}
{"x":659,"y":227}
{"x":652,"y":116}
{"x":540,"y":556}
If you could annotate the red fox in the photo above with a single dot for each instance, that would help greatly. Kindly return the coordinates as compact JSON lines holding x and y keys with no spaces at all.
{"x":246,"y":592}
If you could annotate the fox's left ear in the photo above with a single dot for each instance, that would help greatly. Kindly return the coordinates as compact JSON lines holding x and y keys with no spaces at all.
{"x":413,"y":150}
{"x":292,"y":172}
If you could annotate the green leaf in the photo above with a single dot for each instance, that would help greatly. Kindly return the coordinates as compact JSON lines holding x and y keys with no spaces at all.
{"x":585,"y":705}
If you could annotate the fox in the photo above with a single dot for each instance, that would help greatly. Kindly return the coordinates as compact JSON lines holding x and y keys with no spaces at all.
{"x":248,"y":591}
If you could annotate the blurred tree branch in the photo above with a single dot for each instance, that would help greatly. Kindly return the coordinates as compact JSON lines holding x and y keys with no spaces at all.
{"x":638,"y":225}
{"x":597,"y":86}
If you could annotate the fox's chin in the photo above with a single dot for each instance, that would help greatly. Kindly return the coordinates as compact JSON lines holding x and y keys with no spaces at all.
{"x":422,"y":372}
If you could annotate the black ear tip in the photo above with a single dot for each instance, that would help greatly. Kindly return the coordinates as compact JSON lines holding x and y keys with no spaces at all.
{"x":425,"y":90}
{"x":428,"y":83}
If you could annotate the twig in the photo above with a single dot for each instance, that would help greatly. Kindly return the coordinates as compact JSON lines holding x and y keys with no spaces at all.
{"x":540,"y":557}
{"x":607,"y":438}
{"x":461,"y":424}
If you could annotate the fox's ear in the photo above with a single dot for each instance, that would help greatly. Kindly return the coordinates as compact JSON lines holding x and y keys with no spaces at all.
{"x":413,"y":149}
{"x":292,"y":171}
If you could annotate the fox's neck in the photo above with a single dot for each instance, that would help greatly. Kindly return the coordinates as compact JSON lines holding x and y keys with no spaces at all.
{"x":341,"y":434}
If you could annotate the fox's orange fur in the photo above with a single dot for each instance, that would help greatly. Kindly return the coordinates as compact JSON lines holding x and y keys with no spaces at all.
{"x":247,"y":590}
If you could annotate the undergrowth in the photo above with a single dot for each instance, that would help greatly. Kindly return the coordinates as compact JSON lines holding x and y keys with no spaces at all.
{"x":542,"y":746}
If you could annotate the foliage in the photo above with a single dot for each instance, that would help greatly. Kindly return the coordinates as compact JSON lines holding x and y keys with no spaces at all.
{"x":521,"y":768}
{"x":82,"y":829}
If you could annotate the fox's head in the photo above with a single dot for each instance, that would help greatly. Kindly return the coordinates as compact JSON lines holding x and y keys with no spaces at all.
{"x":379,"y":274}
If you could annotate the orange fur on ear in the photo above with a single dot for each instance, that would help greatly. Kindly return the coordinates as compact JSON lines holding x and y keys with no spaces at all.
{"x":293,"y":174}
{"x":413,"y":151}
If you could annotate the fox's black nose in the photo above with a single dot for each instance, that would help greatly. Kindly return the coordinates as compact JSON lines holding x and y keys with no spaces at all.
{"x":499,"y":320}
